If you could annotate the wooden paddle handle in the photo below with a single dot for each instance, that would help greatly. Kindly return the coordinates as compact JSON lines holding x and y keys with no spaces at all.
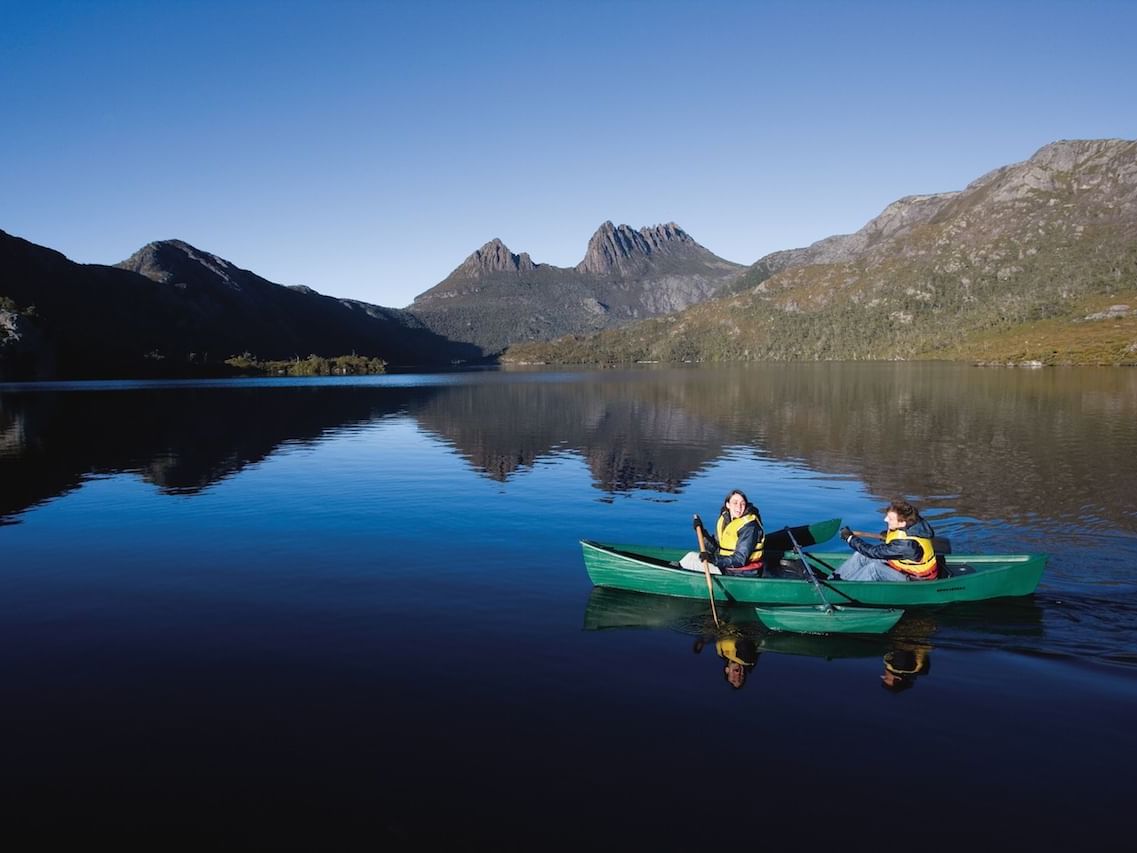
{"x":707,"y":573}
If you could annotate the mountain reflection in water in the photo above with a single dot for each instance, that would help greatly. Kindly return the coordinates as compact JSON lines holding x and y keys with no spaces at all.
{"x":1054,"y":447}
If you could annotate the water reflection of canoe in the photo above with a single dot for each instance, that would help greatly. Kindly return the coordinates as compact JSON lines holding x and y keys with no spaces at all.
{"x":616,"y":609}
{"x":1011,"y":623}
{"x":963,"y":577}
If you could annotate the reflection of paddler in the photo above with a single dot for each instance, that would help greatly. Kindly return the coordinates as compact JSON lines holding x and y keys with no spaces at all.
{"x":740,"y":654}
{"x":901,"y":666}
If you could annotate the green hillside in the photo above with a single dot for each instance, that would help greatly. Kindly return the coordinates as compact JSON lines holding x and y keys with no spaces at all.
{"x":1023,"y":254}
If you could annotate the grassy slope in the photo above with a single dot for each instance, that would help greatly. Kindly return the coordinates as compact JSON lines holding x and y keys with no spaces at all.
{"x":1071,"y":339}
{"x":1011,"y":289}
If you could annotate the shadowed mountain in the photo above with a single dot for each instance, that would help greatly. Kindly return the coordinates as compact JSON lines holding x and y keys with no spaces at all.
{"x":1026,"y":263}
{"x":496,"y":298}
{"x":171,"y":309}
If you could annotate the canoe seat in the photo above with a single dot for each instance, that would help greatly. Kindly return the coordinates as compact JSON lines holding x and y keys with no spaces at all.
{"x":955,"y":570}
{"x":941,"y":545}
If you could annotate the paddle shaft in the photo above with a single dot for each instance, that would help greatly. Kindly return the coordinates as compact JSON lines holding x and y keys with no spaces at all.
{"x":808,"y":570}
{"x":707,"y":572}
{"x":941,"y":544}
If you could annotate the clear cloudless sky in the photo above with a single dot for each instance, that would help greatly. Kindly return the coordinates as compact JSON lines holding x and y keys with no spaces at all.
{"x":365,"y":149}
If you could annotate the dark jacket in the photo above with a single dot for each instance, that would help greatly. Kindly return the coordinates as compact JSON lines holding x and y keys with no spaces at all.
{"x":748,"y":536}
{"x":897,"y":549}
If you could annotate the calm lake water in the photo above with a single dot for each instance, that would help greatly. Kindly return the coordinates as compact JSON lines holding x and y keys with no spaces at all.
{"x":334,"y":614}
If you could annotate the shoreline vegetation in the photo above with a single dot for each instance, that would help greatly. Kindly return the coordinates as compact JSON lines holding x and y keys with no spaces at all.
{"x":313,"y":365}
{"x":1096,"y":331}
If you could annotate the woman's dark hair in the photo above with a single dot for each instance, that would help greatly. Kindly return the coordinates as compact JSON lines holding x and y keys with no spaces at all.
{"x":749,"y":506}
{"x":744,"y":669}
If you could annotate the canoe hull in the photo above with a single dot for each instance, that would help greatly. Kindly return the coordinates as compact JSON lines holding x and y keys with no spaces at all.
{"x":973,"y":577}
{"x":837,"y":620}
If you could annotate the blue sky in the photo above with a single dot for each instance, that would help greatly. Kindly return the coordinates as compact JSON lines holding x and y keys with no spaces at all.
{"x":365,"y":149}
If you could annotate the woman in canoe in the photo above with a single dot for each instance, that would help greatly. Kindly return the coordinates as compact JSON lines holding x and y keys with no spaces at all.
{"x":736,"y":547}
{"x":906,"y":552}
{"x":740,"y":654}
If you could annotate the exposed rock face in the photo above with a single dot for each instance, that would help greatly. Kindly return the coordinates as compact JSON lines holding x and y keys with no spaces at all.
{"x":496,"y":298}
{"x":11,"y":327}
{"x":1065,"y":186}
{"x":174,"y":260}
{"x":494,"y":257}
{"x":624,"y":252}
{"x":1106,"y":171}
{"x":22,"y":354}
{"x":896,"y":220}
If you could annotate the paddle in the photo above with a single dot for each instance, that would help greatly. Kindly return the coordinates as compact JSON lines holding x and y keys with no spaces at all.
{"x":824,"y":581}
{"x":807,"y":569}
{"x":941,"y":544}
{"x":706,"y":568}
{"x":842,"y":620}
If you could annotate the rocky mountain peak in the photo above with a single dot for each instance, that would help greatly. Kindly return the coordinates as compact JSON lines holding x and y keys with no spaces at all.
{"x":169,"y":260}
{"x":493,"y":257}
{"x":904,"y":214}
{"x":1075,"y":166}
{"x":1064,"y":155}
{"x":619,"y":249}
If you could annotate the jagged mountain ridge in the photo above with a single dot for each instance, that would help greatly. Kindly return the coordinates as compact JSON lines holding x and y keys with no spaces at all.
{"x":1020,"y":244}
{"x":170,"y":307}
{"x":495,"y":297}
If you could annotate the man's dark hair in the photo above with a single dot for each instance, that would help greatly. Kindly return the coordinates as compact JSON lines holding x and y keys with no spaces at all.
{"x":899,"y":683}
{"x":905,"y":510}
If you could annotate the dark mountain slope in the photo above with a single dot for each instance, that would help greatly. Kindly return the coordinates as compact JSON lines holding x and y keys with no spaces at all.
{"x":171,"y":309}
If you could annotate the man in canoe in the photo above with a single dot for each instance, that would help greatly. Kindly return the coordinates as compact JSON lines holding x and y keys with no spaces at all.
{"x":906,"y":552}
{"x":901,"y":666}
{"x":736,"y":547}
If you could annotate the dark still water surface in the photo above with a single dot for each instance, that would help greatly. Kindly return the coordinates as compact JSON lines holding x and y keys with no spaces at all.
{"x":334,"y":614}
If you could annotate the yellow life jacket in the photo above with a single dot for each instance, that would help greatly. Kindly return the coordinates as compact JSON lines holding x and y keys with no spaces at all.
{"x":727,"y":536}
{"x":907,"y":661}
{"x":924,"y":570}
{"x":736,"y":651}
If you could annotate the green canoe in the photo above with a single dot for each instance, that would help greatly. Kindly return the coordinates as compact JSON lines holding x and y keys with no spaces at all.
{"x":963,"y":577}
{"x":819,"y":619}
